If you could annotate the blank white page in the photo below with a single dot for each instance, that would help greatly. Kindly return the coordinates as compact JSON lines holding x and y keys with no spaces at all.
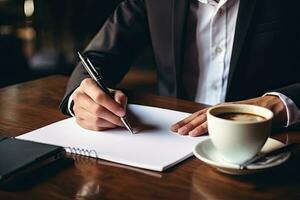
{"x":155,"y":148}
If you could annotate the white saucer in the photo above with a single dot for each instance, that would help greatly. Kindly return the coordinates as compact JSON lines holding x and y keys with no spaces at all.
{"x":206,"y":152}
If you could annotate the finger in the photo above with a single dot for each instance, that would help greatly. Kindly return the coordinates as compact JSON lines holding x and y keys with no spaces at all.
{"x":184,"y":130}
{"x":92,"y":89}
{"x":121,"y":98}
{"x":83,"y":102}
{"x":181,"y":123}
{"x":93,"y":120}
{"x":199,"y":130}
{"x":86,"y":125}
{"x":81,"y":99}
{"x":278,"y":108}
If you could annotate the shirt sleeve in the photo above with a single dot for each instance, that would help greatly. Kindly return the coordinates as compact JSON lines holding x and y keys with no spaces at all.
{"x":70,"y":104}
{"x":293,"y":112}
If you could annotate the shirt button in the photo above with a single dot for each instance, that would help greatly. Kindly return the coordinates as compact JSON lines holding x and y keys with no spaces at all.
{"x":218,"y":50}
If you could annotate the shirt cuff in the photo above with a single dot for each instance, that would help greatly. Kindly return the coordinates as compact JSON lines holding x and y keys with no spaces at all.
{"x":71,"y":103}
{"x":293,"y":112}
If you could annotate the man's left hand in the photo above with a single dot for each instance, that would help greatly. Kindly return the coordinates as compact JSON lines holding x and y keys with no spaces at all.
{"x":196,"y":124}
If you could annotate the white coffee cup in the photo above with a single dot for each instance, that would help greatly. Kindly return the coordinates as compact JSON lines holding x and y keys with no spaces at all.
{"x":238,"y":140}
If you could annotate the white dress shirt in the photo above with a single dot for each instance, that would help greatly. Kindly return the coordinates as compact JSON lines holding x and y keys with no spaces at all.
{"x":215,"y":27}
{"x":213,"y":31}
{"x":214,"y":34}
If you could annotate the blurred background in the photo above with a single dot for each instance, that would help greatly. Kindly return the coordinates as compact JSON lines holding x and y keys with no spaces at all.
{"x":41,"y":37}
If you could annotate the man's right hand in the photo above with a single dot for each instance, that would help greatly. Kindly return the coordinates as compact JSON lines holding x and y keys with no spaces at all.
{"x":96,"y":110}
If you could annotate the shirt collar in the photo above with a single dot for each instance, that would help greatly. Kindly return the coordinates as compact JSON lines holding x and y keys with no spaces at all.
{"x":208,"y":1}
{"x":205,"y":1}
{"x":218,"y":3}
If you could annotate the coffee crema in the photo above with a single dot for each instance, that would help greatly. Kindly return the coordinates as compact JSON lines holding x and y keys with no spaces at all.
{"x":241,"y":117}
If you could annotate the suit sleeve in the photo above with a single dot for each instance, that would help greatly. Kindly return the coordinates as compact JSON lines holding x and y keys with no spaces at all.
{"x":123,"y":34}
{"x":292,"y":90}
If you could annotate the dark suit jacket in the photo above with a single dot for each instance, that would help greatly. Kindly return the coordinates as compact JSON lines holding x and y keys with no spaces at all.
{"x":265,"y":57}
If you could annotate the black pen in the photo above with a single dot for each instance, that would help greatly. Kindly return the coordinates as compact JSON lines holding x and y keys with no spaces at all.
{"x":98,"y":79}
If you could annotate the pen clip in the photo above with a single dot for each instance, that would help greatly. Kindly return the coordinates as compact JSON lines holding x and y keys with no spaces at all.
{"x":93,"y":68}
{"x":88,"y":68}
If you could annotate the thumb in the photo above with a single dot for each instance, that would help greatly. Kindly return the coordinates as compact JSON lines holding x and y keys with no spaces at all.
{"x":121,"y":98}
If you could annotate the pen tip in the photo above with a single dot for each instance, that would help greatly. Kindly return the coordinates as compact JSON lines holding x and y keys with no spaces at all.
{"x":131,"y":131}
{"x":127,"y":125}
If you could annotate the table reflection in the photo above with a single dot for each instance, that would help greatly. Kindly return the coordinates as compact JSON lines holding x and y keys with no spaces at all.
{"x":91,"y":174}
{"x":208,"y":183}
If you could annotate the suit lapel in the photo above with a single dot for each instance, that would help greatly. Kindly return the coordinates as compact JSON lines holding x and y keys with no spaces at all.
{"x":180,"y":11}
{"x":245,"y":13}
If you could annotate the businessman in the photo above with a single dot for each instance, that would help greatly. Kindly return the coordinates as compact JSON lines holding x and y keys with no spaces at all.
{"x":208,"y":51}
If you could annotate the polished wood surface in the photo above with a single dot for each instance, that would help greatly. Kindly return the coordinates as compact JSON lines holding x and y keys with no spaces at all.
{"x":28,"y":106}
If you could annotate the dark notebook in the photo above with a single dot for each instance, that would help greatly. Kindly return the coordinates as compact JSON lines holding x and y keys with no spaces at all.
{"x":18,"y":157}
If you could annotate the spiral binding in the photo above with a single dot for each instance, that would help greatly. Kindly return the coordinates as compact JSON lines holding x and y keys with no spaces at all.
{"x":83,"y":156}
{"x":82,"y":152}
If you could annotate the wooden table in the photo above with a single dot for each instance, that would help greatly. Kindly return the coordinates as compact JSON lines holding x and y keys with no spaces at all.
{"x":28,"y":106}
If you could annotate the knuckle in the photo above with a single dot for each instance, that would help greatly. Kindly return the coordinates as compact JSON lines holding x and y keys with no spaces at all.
{"x":76,"y":96}
{"x":201,"y":128}
{"x":85,"y":82}
{"x":265,"y":105}
{"x":97,"y":121}
{"x":189,"y":126}
{"x":197,"y":130}
{"x":199,"y":112}
{"x":98,"y":110}
{"x":99,"y":96}
{"x":106,"y":99}
{"x":180,"y":123}
{"x":195,"y":114}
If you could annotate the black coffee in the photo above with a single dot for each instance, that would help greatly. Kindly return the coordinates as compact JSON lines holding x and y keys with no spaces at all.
{"x":241,"y":117}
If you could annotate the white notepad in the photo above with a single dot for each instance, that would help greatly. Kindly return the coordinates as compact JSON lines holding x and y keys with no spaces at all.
{"x":156,"y":148}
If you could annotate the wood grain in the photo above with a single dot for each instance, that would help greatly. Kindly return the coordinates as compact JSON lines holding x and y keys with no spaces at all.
{"x":28,"y":106}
